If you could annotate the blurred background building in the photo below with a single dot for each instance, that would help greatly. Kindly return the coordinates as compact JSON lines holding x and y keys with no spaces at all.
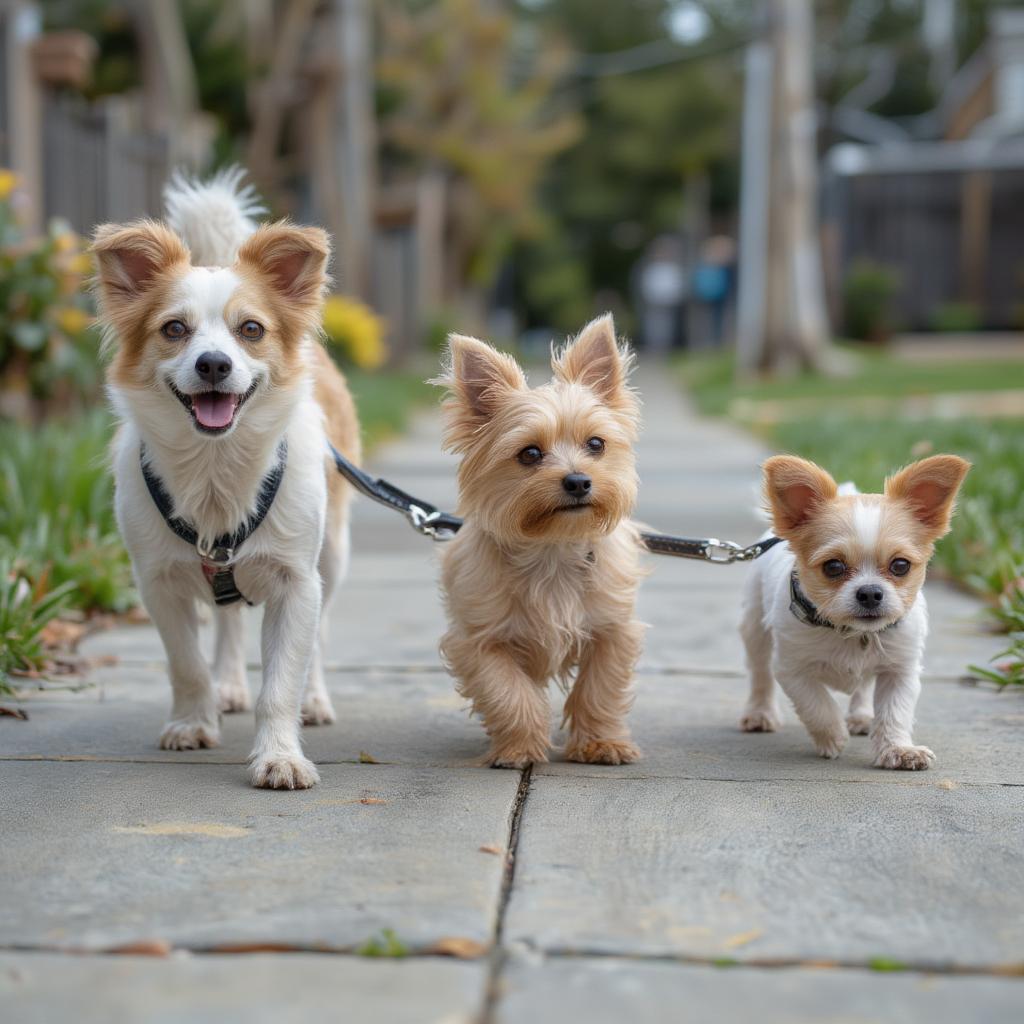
{"x":742,"y":168}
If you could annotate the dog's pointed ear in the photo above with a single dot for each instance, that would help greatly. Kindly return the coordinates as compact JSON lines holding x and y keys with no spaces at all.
{"x":478,"y":376}
{"x":293,"y":260}
{"x":593,"y":358}
{"x":930,"y":487}
{"x":130,"y":258}
{"x":794,"y":490}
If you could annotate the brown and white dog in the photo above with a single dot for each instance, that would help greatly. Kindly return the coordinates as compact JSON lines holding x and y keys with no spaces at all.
{"x":218,"y":377}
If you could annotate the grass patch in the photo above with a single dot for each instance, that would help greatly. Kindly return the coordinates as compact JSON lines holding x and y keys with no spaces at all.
{"x":710,"y":379}
{"x":386,"y":399}
{"x":386,"y":945}
{"x":57,"y":523}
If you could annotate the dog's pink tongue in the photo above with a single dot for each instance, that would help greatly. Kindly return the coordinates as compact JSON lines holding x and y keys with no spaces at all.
{"x":214,"y":408}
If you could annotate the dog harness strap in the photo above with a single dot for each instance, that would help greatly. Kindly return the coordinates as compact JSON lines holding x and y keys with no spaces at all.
{"x":216,"y":557}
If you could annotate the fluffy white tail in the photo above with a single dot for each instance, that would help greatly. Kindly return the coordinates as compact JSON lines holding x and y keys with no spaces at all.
{"x":213,"y":217}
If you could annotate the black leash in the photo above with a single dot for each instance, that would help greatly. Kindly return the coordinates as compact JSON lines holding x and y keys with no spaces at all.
{"x":217,"y":557}
{"x":429,"y":521}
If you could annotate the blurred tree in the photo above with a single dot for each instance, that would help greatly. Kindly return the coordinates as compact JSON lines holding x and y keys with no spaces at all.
{"x":647,"y":132}
{"x":467,"y":99}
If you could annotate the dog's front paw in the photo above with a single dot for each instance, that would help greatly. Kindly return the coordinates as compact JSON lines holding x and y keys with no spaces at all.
{"x":283,"y":771}
{"x":907,"y":759}
{"x":318,"y":710}
{"x":859,"y":723}
{"x":760,"y":719}
{"x":515,"y":757}
{"x":232,"y":697}
{"x":189,"y":734}
{"x":830,"y":744}
{"x":602,"y":752}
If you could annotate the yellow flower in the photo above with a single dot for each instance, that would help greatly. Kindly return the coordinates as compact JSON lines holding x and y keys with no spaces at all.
{"x":81,"y":264}
{"x":8,"y":182}
{"x":66,"y":241}
{"x":356,"y":330}
{"x":72,"y":320}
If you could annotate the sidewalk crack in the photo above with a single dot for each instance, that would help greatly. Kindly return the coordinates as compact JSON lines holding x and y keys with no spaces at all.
{"x":498,"y":956}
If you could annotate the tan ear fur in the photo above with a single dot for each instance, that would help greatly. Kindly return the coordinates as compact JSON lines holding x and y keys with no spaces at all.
{"x":929,"y":487}
{"x":794,"y":490}
{"x":131,"y":258}
{"x":593,"y":358}
{"x":293,"y":260}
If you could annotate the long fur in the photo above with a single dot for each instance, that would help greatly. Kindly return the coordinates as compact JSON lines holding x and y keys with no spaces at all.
{"x":536,"y":592}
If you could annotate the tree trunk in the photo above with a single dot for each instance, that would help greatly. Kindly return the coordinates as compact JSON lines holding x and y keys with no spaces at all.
{"x":792,"y":331}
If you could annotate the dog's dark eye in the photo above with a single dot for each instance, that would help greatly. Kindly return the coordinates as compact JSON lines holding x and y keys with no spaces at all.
{"x":530,"y":455}
{"x":174,"y":330}
{"x":595,"y":446}
{"x":834,"y":568}
{"x":251,"y":330}
{"x":899,"y":567}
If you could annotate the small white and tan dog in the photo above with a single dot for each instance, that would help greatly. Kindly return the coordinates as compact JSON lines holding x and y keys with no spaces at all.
{"x":224,"y":391}
{"x":839,"y":607}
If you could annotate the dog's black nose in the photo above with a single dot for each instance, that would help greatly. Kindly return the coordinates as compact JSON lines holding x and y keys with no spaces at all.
{"x":213,"y":367}
{"x":870,"y":597}
{"x":576,"y":484}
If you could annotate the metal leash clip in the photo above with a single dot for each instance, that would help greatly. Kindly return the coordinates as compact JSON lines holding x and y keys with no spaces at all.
{"x":722,"y":552}
{"x":424,"y":522}
{"x":216,"y":554}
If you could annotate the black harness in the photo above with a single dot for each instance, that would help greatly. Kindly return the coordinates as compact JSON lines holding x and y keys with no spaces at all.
{"x":216,"y":558}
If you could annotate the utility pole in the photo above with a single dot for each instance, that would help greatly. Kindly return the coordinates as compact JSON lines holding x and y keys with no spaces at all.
{"x":783,"y":326}
{"x":355,"y":144}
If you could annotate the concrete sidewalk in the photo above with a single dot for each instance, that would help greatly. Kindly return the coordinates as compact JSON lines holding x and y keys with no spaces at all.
{"x":569,"y":891}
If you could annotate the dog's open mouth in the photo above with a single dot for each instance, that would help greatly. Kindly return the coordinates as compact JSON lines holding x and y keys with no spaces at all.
{"x":213,"y":412}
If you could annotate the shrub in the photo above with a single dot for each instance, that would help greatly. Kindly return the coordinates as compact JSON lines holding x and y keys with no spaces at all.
{"x":957,"y":317}
{"x":47,"y":349}
{"x":868,"y":293}
{"x":356,"y":332}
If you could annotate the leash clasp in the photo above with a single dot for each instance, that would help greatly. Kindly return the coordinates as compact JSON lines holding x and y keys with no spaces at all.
{"x":425,"y":523}
{"x":216,"y":554}
{"x":722,"y":552}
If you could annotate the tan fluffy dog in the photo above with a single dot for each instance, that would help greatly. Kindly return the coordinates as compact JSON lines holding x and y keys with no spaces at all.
{"x":542,"y":578}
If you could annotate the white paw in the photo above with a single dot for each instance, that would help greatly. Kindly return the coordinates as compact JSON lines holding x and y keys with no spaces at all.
{"x":830,"y":745}
{"x":907,"y":759}
{"x":189,"y":734}
{"x":233,"y":697}
{"x":859,"y":724}
{"x":761,"y":719}
{"x":283,"y":771}
{"x":318,"y":710}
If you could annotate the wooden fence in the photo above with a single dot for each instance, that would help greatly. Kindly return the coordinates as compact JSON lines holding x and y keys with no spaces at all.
{"x":99,"y":163}
{"x":952,"y":237}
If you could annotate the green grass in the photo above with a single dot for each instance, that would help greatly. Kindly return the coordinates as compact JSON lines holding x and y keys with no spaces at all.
{"x":710,"y":378}
{"x":56,"y":511}
{"x":24,"y":613}
{"x":386,"y":399}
